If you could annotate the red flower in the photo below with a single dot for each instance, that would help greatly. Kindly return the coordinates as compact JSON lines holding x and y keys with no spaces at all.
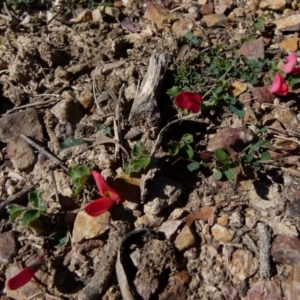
{"x":279,"y":86}
{"x":291,"y":61}
{"x":25,"y":275}
{"x":109,"y":196}
{"x":188,"y":100}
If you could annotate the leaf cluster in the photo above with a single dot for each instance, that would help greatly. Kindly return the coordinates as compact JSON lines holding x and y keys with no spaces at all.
{"x":140,"y":159}
{"x":184,"y":150}
{"x":79,"y":175}
{"x":230,"y":165}
{"x":29,"y":217}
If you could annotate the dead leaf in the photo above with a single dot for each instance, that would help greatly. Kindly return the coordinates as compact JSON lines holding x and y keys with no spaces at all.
{"x":204,"y":213}
{"x":265,"y":290}
{"x":129,"y":25}
{"x":286,"y":250}
{"x":103,"y":139}
{"x":159,"y":14}
{"x":132,"y":133}
{"x":85,"y":16}
{"x":229,"y":137}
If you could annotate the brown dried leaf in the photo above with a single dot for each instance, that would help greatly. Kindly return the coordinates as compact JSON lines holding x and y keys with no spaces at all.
{"x":286,"y":249}
{"x":85,"y":16}
{"x":159,"y":14}
{"x":229,"y":137}
{"x":204,"y":213}
{"x":263,"y":95}
{"x":265,"y":290}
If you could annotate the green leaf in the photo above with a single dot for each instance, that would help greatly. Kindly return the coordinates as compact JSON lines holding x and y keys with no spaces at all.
{"x":259,"y":24}
{"x":138,"y":149}
{"x":218,"y":175}
{"x":193,"y":166}
{"x":265,"y":156}
{"x":35,"y":198}
{"x":229,"y":174}
{"x":77,"y":171}
{"x":29,"y":216}
{"x":189,"y":151}
{"x":59,"y":238}
{"x":220,"y":155}
{"x":237,"y":109}
{"x":14,"y":211}
{"x":250,"y":156}
{"x":188,"y":138}
{"x":173,"y":91}
{"x":71,"y":142}
{"x":173,"y":147}
{"x":191,"y":38}
{"x":257,"y":145}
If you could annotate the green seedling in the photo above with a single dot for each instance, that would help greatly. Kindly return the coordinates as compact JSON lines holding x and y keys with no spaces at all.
{"x":79,"y":175}
{"x":229,"y":165}
{"x":29,"y":217}
{"x":139,"y":161}
{"x":184,"y":150}
{"x":210,"y":75}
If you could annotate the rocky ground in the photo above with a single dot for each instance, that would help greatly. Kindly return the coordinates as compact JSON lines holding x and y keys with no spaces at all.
{"x":210,"y":205}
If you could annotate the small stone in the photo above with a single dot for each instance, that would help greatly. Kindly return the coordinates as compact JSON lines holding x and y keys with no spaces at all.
{"x":235,"y":220}
{"x":169,"y":227}
{"x":262,"y":94}
{"x":87,"y":227}
{"x":239,"y":12}
{"x":254,"y":5}
{"x":8,"y":246}
{"x":146,"y":221}
{"x":245,"y":98}
{"x":290,"y":44}
{"x":182,"y":27}
{"x":202,"y":2}
{"x":253,"y":49}
{"x":214,"y":20}
{"x":206,"y":9}
{"x":112,"y":11}
{"x":185,"y":239}
{"x":289,"y":23}
{"x":286,"y":250}
{"x":223,"y":221}
{"x":237,"y":88}
{"x":86,"y":99}
{"x":222,"y":234}
{"x":288,"y":12}
{"x":273,"y":4}
{"x":243,"y":264}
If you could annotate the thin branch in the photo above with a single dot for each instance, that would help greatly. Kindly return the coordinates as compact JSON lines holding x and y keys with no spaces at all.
{"x":43,"y":151}
{"x":55,"y":186}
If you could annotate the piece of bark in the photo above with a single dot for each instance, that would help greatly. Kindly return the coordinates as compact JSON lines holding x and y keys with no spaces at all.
{"x":101,"y":280}
{"x":264,"y":251}
{"x":144,"y":110}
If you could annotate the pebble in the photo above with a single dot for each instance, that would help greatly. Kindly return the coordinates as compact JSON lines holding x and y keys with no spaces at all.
{"x":290,"y":44}
{"x":87,"y":227}
{"x":214,"y":20}
{"x":185,"y":239}
{"x":243,"y":264}
{"x":8,"y":246}
{"x":273,"y":4}
{"x":253,"y":49}
{"x":222,"y":234}
{"x":289,"y":23}
{"x":237,"y":88}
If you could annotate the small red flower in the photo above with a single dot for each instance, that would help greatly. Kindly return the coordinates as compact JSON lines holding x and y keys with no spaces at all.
{"x":109,"y":197}
{"x":25,"y":275}
{"x":279,"y":86}
{"x":189,"y":100}
{"x":291,"y":61}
